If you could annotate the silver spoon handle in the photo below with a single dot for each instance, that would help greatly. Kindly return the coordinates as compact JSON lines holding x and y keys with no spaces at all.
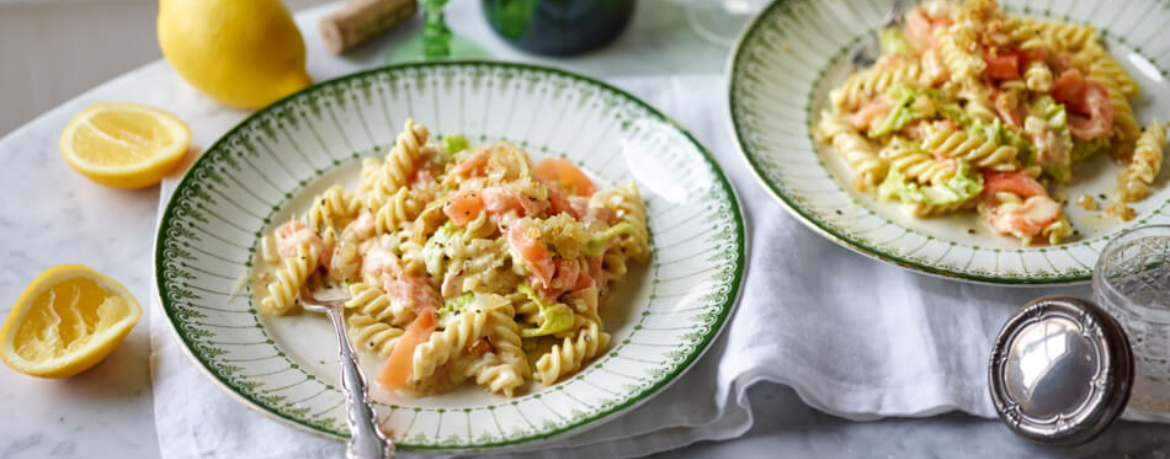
{"x":366,"y":440}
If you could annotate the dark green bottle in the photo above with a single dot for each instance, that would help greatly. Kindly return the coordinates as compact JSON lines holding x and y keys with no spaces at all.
{"x":558,"y":27}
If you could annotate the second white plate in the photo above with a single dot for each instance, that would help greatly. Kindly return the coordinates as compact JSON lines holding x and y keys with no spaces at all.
{"x":795,"y":51}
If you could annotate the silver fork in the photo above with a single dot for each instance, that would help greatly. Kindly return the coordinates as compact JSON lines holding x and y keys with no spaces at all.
{"x":867,"y":52}
{"x":366,"y":440}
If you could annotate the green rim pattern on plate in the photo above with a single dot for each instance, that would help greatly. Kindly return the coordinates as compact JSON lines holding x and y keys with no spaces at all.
{"x":209,"y":233}
{"x":795,"y":51}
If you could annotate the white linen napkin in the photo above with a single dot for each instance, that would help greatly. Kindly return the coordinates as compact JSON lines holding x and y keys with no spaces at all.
{"x":854,"y":337}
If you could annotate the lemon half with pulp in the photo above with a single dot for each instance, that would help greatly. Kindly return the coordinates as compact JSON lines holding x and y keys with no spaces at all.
{"x":66,"y":321}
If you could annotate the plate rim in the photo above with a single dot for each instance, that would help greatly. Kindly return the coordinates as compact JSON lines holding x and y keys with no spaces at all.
{"x":727,"y":309}
{"x":800,"y":214}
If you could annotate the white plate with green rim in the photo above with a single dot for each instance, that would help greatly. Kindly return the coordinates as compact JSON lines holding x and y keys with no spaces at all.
{"x":663,"y":316}
{"x":795,"y":51}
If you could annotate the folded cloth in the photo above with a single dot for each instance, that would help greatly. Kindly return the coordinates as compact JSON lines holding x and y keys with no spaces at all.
{"x":855,"y":337}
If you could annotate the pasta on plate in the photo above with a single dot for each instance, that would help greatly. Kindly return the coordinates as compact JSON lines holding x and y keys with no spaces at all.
{"x":972,"y":109}
{"x":465,"y":263}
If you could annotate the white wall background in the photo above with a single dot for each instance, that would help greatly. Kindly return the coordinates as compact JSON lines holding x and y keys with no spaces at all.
{"x":52,"y":50}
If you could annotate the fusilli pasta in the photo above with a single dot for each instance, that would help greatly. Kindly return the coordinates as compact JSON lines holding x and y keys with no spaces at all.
{"x":372,"y":335}
{"x":861,"y":87}
{"x":916,"y":164}
{"x":1134,"y":182}
{"x":1062,"y":36}
{"x":958,"y":47}
{"x":858,"y":153}
{"x":283,"y":291}
{"x":626,"y":203}
{"x":332,"y":208}
{"x":398,"y":210}
{"x":969,"y":101}
{"x":491,"y":372}
{"x":1098,"y":63}
{"x":442,"y":345}
{"x":1124,"y":122}
{"x":567,"y":356}
{"x":459,"y":264}
{"x":971,"y":146}
{"x":395,"y":171}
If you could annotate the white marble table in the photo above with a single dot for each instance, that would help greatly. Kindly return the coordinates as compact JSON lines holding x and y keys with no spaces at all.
{"x":49,"y":215}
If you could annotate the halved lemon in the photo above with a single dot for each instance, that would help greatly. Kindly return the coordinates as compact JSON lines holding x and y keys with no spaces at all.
{"x":66,"y":321}
{"x":124,"y":145}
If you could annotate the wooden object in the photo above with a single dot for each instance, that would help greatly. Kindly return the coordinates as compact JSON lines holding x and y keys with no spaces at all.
{"x":360,"y":20}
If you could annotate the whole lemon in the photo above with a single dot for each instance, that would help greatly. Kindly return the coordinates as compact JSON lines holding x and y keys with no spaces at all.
{"x":242,"y":53}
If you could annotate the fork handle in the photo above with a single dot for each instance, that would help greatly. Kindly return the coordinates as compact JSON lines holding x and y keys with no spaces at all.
{"x":366,"y":440}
